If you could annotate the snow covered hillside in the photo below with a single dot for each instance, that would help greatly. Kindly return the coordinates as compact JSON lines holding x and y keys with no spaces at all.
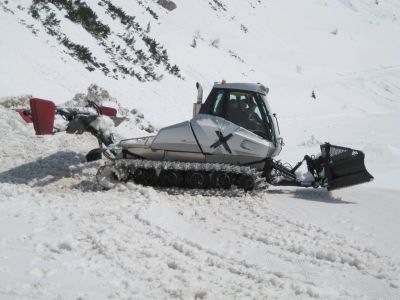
{"x":61,"y":237}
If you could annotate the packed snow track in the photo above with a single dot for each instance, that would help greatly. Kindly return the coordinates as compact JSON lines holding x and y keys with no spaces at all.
{"x":62,"y":236}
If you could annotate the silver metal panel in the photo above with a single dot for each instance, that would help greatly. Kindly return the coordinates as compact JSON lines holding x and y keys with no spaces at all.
{"x":141,"y":142}
{"x":253,"y":87}
{"x":242,"y":142}
{"x":148,"y":153}
{"x":235,"y":160}
{"x":184,"y":156}
{"x":178,"y":137}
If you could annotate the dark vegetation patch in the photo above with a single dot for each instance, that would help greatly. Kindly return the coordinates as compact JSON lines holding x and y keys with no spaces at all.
{"x":3,"y":5}
{"x":167,"y":4}
{"x":217,"y":5}
{"x":125,"y":58}
{"x":148,"y":9}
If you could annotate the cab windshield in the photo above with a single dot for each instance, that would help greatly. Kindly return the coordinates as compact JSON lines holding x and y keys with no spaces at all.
{"x":248,"y":110}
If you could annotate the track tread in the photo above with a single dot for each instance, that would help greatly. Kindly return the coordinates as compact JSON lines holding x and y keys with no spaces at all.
{"x":125,"y":167}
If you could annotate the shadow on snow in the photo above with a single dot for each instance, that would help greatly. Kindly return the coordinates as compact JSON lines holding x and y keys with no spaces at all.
{"x":320,"y":195}
{"x":45,"y":171}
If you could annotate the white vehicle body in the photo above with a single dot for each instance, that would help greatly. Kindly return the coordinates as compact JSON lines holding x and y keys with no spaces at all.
{"x":212,"y":138}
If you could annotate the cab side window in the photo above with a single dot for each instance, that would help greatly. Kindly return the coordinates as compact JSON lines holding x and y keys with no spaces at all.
{"x":217,"y":107}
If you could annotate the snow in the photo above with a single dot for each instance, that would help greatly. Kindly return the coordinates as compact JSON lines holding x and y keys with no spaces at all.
{"x":62,"y":237}
{"x":104,"y":125}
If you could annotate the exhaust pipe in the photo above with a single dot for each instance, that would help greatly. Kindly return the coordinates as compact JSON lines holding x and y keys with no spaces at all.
{"x":197,"y":105}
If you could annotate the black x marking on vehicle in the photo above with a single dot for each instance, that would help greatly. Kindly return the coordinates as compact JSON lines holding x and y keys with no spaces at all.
{"x":222,"y":140}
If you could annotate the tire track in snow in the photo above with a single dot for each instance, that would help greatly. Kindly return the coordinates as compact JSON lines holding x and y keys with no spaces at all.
{"x":251,"y":269}
{"x":211,"y":262}
{"x":300,"y":244}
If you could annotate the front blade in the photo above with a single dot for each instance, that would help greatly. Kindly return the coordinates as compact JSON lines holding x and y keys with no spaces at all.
{"x":344,"y":166}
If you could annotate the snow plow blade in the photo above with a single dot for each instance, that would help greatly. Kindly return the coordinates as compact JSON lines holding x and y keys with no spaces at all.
{"x":43,"y":112}
{"x":344,"y":166}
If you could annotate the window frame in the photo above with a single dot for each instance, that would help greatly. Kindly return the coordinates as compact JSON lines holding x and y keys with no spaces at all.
{"x":266,"y":119}
{"x":207,"y":108}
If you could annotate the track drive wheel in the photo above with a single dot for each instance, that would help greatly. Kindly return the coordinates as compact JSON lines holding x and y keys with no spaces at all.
{"x":168,"y":178}
{"x":145,"y":176}
{"x":246,"y":182}
{"x":221,"y":180}
{"x":197,"y":180}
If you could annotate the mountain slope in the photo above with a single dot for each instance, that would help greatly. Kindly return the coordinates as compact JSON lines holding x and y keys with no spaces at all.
{"x":291,"y":47}
{"x":61,"y":237}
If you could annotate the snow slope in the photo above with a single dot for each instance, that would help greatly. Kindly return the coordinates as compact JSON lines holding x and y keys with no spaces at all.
{"x":60,"y":237}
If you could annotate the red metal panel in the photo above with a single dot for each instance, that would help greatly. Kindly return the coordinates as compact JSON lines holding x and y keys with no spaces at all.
{"x":108,"y":111}
{"x":27,"y":118}
{"x":43,"y":112}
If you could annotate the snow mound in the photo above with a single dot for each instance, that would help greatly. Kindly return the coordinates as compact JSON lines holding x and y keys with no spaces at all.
{"x":104,"y":125}
{"x":15,"y":101}
{"x":58,"y":161}
{"x":135,"y":124}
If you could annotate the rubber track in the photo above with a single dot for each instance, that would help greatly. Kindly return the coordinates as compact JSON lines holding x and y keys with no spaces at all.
{"x":123,"y":167}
